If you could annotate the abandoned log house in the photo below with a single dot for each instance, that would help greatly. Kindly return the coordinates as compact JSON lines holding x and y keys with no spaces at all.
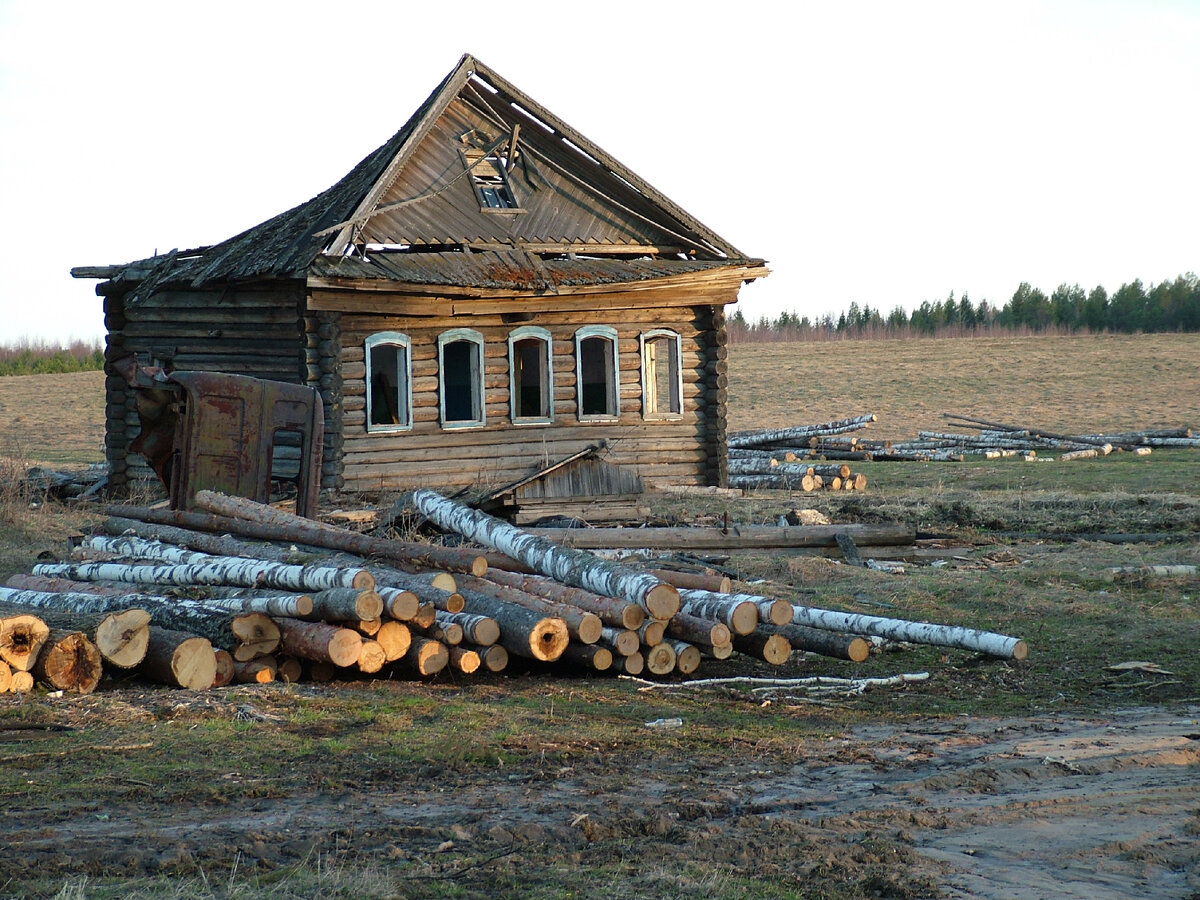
{"x":485,"y":293}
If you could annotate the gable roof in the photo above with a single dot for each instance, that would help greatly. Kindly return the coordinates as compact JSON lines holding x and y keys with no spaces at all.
{"x":415,"y":192}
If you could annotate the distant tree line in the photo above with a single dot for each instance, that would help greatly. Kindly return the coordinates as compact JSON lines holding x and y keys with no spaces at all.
{"x":1167,"y":306}
{"x":27,"y":357}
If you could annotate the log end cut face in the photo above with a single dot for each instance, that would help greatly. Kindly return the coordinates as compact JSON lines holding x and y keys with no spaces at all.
{"x":548,"y":639}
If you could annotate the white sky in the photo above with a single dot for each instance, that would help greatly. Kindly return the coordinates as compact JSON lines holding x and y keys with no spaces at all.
{"x":879,"y":152}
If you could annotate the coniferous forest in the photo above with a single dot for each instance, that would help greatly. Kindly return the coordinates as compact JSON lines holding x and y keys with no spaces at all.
{"x":1134,"y":308}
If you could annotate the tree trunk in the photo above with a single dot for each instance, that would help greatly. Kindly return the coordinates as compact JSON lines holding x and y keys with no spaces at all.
{"x":738,"y":537}
{"x":120,"y":636}
{"x":660,"y":659}
{"x":448,"y":633}
{"x":699,"y":581}
{"x":269,"y":603}
{"x":395,"y":638}
{"x":687,"y":657}
{"x":494,"y":658}
{"x":346,"y":605}
{"x":624,"y":641}
{"x":694,"y":630}
{"x":225,"y":668}
{"x":464,"y":660}
{"x":522,"y":630}
{"x":320,"y":642}
{"x":21,"y":683}
{"x":797,"y":433}
{"x":582,"y":626}
{"x":825,"y":643}
{"x":740,"y":616}
{"x":400,"y":604}
{"x":613,"y":612}
{"x":481,"y":630}
{"x":426,"y":656}
{"x":572,"y":567}
{"x":588,"y":656}
{"x":371,"y":657}
{"x":21,"y":637}
{"x":774,"y":648}
{"x":260,"y":670}
{"x":226,"y":570}
{"x":652,"y":632}
{"x":68,"y":661}
{"x":289,"y":669}
{"x":179,"y":659}
{"x":634,"y":664}
{"x":913,"y":632}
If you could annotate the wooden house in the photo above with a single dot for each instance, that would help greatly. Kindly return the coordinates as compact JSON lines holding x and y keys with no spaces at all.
{"x":485,"y":293}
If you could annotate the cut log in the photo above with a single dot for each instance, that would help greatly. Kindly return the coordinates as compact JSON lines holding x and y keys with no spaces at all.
{"x":371,"y":657}
{"x":634,"y":664}
{"x":224,"y":668}
{"x":738,"y":537}
{"x":179,"y":659}
{"x":522,"y":630}
{"x":740,"y":616}
{"x":398,"y":603}
{"x":695,"y":630}
{"x":45,"y":584}
{"x":774,"y":648}
{"x":5,"y":678}
{"x":269,"y":603}
{"x":21,"y":683}
{"x":346,"y":604}
{"x":426,"y":616}
{"x":481,"y":630}
{"x":825,"y":643}
{"x":582,"y":626}
{"x":68,"y":661}
{"x":624,"y":641}
{"x":797,"y":433}
{"x":687,"y":657}
{"x":395,"y":638}
{"x":426,"y":595}
{"x":120,"y":636}
{"x":660,"y":659}
{"x":449,"y":633}
{"x":699,"y":581}
{"x":571,"y":567}
{"x":260,"y":670}
{"x":652,"y":632}
{"x":494,"y":658}
{"x":21,"y":637}
{"x":612,"y":611}
{"x":465,"y":660}
{"x":320,"y":642}
{"x":365,"y":627}
{"x":427,"y":656}
{"x":588,"y":656}
{"x":226,"y":570}
{"x":289,"y":669}
{"x":913,"y":632}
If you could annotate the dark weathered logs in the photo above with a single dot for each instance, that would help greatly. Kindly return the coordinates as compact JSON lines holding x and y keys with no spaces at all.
{"x":260,"y":670}
{"x":700,"y":581}
{"x":494,"y":658}
{"x":774,"y":648}
{"x":825,"y":643}
{"x":614,"y":612}
{"x":694,"y":630}
{"x":588,"y":656}
{"x":633,"y":664}
{"x":68,"y":661}
{"x":572,"y":567}
{"x":737,"y":537}
{"x":179,"y":659}
{"x":320,"y":642}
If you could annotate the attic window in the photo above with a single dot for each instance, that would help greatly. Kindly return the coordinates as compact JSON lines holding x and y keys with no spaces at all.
{"x":489,"y":176}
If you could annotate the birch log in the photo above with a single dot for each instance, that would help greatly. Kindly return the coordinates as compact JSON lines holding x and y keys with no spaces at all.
{"x":400,"y":604}
{"x":797,"y":433}
{"x":227,"y":570}
{"x":481,"y":630}
{"x":588,"y":656}
{"x":773,"y":612}
{"x":582,"y":626}
{"x":347,"y":604}
{"x":624,"y":641}
{"x":694,"y":630}
{"x":687,"y":657}
{"x":179,"y":659}
{"x":320,"y":642}
{"x":569,"y":566}
{"x":633,"y":664}
{"x":613,"y":612}
{"x":825,"y":643}
{"x":494,"y":658}
{"x":913,"y":632}
{"x":523,"y":631}
{"x":740,"y":616}
{"x":68,"y":661}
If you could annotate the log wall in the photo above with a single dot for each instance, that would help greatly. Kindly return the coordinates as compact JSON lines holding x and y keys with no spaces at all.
{"x":688,"y":449}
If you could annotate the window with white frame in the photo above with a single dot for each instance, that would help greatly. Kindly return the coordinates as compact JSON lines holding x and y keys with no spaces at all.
{"x":530,"y":376}
{"x":460,"y":378}
{"x":389,"y":381}
{"x":596,"y":375}
{"x":662,"y":378}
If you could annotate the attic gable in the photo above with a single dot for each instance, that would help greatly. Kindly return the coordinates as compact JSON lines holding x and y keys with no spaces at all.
{"x":489,"y":167}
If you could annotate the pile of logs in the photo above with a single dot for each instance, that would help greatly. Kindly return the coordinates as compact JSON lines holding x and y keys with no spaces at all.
{"x":781,"y":458}
{"x":200,"y":599}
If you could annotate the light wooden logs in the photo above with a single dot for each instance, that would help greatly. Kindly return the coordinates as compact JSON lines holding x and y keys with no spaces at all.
{"x":398,"y":603}
{"x":481,"y":630}
{"x":179,"y":659}
{"x":633,"y":664}
{"x":427,"y":656}
{"x":449,"y":633}
{"x":652,"y":632}
{"x":394,"y":637}
{"x":120,"y":636}
{"x":701,"y":581}
{"x":826,"y":643}
{"x":659,"y":599}
{"x":494,"y":658}
{"x":660,"y":659}
{"x":987,"y":642}
{"x":624,"y":641}
{"x":320,"y":642}
{"x":613,"y":612}
{"x":318,"y":534}
{"x":687,"y":657}
{"x":68,"y":661}
{"x":5,"y":678}
{"x":225,"y":668}
{"x":695,"y":630}
{"x":797,"y":433}
{"x":21,"y":682}
{"x":21,"y":638}
{"x":465,"y":660}
{"x":371,"y":657}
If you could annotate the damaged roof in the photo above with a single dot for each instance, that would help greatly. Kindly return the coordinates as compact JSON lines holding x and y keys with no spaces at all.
{"x":413,"y":211}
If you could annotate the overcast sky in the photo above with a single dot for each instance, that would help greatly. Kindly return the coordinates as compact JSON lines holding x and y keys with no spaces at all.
{"x":885,"y":153}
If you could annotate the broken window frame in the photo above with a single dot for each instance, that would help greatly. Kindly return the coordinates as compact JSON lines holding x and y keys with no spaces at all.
{"x":544,"y":375}
{"x":608,"y":335}
{"x":403,"y":409}
{"x":472,"y":383}
{"x":652,"y":344}
{"x":489,"y":177}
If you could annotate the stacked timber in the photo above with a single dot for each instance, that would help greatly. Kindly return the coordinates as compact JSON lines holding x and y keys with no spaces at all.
{"x":157,"y":598}
{"x":782,"y":457}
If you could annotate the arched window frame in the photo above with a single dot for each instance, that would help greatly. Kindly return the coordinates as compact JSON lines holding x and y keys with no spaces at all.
{"x":527,"y":333}
{"x":653,"y":407}
{"x":613,"y":383}
{"x":404,"y":387}
{"x":475,"y":379}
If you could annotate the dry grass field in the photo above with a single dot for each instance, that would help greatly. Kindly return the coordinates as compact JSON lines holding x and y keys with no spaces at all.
{"x":1073,"y":774}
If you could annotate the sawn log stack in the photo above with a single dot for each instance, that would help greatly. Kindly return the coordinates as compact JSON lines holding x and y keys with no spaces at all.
{"x":195,"y":600}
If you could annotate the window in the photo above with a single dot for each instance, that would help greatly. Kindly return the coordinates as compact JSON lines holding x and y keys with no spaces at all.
{"x":389,"y":382}
{"x":596,"y":373}
{"x":530,"y":377}
{"x":460,"y":378}
{"x":489,"y":175}
{"x":662,"y":379}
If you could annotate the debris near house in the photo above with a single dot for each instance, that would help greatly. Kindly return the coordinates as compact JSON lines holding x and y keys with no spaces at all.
{"x":200,"y":600}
